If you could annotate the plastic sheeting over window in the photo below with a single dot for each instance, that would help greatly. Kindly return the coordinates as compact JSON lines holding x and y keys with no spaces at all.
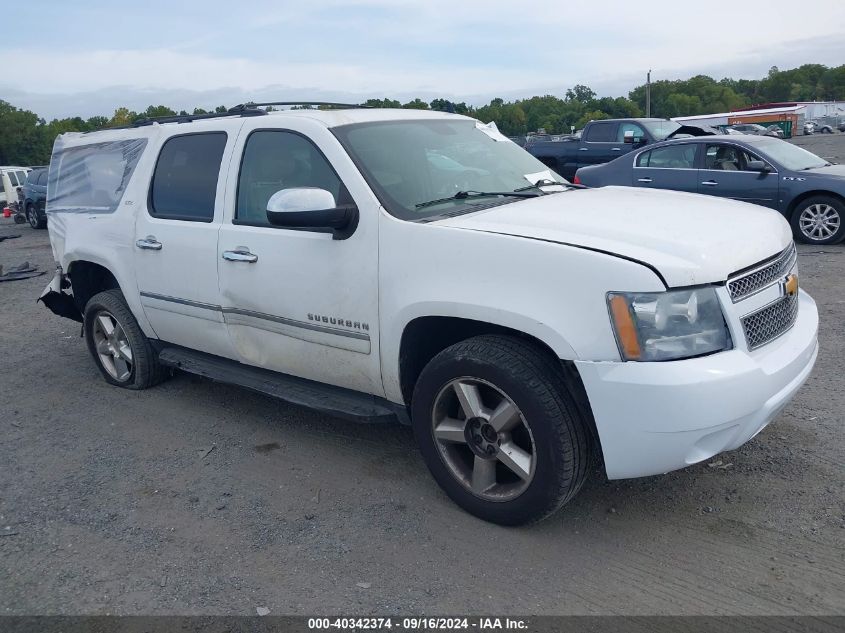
{"x":91,"y":178}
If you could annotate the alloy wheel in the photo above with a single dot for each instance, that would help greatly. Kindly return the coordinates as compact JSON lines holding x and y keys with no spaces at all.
{"x":483,"y":439}
{"x":32,"y":216}
{"x":112,"y":346}
{"x":819,"y":221}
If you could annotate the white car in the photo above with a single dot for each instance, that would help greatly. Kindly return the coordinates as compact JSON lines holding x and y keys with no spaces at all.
{"x":10,"y":179}
{"x":523,"y":326}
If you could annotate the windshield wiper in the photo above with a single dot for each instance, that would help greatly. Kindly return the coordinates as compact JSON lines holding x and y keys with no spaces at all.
{"x":545,"y":182}
{"x":464,"y":195}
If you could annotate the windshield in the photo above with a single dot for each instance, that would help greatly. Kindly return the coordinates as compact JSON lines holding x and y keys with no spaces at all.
{"x":660,"y":129}
{"x":788,"y":155}
{"x":411,"y":163}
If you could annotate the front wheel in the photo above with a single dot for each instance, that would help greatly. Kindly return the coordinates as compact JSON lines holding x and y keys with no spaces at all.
{"x":32,"y":216}
{"x":819,"y":220}
{"x":499,"y":431}
{"x":120,"y":349}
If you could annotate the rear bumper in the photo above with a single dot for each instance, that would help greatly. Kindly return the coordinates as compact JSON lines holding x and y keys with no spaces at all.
{"x":656,"y":417}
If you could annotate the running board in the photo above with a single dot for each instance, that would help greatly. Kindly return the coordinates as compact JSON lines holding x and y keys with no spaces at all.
{"x":335,"y":401}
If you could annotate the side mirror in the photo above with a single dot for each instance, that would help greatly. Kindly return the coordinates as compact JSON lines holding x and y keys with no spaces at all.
{"x":628,"y":137}
{"x":311,"y":208}
{"x":758,"y":165}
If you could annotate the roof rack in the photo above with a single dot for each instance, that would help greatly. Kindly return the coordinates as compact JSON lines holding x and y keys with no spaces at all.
{"x":252,"y":104}
{"x":238,"y":110}
{"x":242,"y":109}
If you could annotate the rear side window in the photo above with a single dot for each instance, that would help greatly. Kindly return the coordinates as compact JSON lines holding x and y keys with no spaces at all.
{"x":185,"y":180}
{"x":91,"y":178}
{"x":601,"y":133}
{"x":41,"y":179}
{"x":669,"y":157}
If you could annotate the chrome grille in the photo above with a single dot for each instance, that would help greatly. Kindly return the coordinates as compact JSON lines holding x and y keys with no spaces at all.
{"x":770,"y":322}
{"x":749,"y":283}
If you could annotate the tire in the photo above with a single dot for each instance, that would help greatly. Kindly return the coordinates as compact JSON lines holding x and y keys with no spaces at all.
{"x":548,"y":427}
{"x":33,"y":218}
{"x":828,"y":210}
{"x":129,"y":359}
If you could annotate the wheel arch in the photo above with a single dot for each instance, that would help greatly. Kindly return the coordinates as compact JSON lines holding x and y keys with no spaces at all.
{"x":426,"y":336}
{"x":793,"y":206}
{"x":88,"y":278}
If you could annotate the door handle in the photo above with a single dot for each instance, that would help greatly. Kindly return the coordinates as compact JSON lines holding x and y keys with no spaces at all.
{"x":149,"y":243}
{"x":616,"y":149}
{"x":643,"y":179}
{"x":583,"y":149}
{"x":240,"y":254}
{"x":710,"y":183}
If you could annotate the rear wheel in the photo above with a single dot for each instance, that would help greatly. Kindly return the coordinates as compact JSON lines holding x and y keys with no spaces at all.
{"x":819,"y":220}
{"x":499,"y":431}
{"x":121,"y":351}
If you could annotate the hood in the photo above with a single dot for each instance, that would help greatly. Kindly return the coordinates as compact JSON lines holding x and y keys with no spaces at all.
{"x":694,"y":130}
{"x":690,"y":239}
{"x":836,"y":171}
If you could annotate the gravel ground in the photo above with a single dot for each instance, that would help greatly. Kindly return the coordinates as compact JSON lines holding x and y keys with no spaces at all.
{"x":198,"y":498}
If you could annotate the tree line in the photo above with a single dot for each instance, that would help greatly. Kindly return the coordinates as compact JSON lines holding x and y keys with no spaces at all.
{"x":27,"y":139}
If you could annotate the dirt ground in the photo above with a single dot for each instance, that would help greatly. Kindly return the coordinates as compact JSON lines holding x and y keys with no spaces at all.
{"x":198,"y":498}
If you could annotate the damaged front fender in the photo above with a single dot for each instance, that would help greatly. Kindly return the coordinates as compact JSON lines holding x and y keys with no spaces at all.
{"x":58,"y":301}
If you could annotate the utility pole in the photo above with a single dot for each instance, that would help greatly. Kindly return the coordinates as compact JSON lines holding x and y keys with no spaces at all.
{"x":648,"y":93}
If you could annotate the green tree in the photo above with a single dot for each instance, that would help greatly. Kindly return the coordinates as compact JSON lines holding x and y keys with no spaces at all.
{"x":581,"y":93}
{"x":382,"y":103}
{"x":22,"y":137}
{"x":122,"y":116}
{"x":416,"y":104}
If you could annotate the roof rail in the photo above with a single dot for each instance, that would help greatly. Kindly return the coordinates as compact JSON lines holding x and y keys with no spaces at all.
{"x":238,"y":110}
{"x":252,"y":104}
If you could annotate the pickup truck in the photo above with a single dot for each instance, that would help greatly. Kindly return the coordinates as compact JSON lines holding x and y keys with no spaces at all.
{"x":602,"y":141}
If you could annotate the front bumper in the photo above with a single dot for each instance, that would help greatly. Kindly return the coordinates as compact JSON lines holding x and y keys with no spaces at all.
{"x":656,"y":417}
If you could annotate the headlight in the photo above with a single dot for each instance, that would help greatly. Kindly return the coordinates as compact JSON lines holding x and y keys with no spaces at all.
{"x":668,"y":325}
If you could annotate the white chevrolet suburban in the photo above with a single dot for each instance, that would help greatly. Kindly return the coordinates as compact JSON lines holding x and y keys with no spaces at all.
{"x":378,"y":264}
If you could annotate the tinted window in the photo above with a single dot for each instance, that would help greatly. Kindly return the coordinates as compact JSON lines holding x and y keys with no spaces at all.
{"x":670,"y":157}
{"x":276,"y":160}
{"x":601,"y":133}
{"x":40,"y":178}
{"x":185,"y":179}
{"x":629,"y":127}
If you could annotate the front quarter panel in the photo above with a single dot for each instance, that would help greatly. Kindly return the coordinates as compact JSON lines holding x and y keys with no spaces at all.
{"x":553,"y":292}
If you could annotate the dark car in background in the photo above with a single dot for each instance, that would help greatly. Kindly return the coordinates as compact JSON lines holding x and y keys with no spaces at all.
{"x":33,"y":198}
{"x":808,"y":190}
{"x":602,"y":141}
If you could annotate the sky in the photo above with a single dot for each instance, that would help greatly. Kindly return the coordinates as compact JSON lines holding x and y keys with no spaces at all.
{"x":89,"y":57}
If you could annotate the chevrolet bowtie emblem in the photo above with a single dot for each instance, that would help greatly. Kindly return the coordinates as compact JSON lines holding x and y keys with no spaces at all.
{"x":790,"y":285}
